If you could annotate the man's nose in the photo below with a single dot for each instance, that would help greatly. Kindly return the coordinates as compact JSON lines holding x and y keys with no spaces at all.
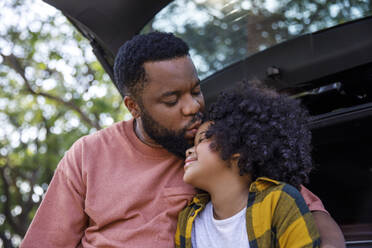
{"x":191,"y":106}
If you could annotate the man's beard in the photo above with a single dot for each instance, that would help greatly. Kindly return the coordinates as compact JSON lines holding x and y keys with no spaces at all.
{"x":174,"y":142}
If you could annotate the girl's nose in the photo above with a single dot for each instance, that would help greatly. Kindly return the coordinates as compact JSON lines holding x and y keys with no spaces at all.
{"x":189,"y":151}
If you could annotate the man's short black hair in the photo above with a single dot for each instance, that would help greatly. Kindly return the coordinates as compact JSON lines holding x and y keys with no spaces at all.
{"x":268,"y":130}
{"x":129,"y":72}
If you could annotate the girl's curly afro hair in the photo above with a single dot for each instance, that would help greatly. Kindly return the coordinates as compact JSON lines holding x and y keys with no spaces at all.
{"x":267,"y":129}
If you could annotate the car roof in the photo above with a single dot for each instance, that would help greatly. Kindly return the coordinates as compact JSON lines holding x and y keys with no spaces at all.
{"x":295,"y":63}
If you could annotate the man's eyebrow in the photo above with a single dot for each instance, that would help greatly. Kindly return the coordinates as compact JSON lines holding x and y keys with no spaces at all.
{"x":177,"y":92}
{"x":170,"y":93}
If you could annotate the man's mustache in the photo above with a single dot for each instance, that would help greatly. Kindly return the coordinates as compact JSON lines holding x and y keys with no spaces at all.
{"x":197,"y":117}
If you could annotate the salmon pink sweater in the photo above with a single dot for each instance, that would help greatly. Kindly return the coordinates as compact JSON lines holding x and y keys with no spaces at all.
{"x":111,"y":190}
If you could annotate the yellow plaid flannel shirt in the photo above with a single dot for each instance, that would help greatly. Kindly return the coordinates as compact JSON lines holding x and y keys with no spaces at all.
{"x":277,"y":216}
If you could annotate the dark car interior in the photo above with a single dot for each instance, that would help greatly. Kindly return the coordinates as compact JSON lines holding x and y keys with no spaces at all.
{"x":341,"y":141}
{"x":329,"y":70}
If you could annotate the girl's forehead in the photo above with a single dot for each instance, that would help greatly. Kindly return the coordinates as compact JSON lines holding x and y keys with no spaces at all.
{"x":203,"y":127}
{"x":201,"y":132}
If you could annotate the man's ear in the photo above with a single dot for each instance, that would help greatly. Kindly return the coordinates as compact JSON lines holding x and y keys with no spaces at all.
{"x":132,"y":106}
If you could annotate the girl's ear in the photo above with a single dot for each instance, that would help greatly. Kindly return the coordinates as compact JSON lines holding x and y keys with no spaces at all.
{"x":235,"y":159}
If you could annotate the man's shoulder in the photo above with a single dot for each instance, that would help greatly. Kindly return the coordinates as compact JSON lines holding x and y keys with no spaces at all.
{"x":115,"y":132}
{"x":92,"y":145}
{"x":94,"y":142}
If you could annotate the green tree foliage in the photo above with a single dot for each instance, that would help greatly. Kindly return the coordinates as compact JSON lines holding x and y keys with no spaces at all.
{"x":53,"y":91}
{"x":221,"y":32}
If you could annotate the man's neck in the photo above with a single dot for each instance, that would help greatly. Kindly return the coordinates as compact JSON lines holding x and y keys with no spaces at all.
{"x":142,"y":135}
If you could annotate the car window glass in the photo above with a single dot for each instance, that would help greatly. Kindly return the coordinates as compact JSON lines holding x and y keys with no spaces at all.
{"x":221,"y":32}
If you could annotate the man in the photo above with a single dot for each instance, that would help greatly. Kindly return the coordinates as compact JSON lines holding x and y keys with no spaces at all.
{"x":122,"y":186}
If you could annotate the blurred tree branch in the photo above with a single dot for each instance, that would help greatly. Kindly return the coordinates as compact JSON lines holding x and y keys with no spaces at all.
{"x":13,"y":62}
{"x":6,"y":185}
{"x":7,"y":241}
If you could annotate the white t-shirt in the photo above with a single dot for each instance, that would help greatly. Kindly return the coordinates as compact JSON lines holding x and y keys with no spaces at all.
{"x":207,"y":232}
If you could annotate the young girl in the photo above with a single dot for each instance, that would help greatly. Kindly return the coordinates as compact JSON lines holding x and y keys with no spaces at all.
{"x":250,"y":157}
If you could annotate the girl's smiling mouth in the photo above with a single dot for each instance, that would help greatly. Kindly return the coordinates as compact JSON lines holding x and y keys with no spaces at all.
{"x":189,"y":161}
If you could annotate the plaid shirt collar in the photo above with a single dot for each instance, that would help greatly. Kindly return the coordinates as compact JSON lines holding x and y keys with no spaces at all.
{"x":261,"y":183}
